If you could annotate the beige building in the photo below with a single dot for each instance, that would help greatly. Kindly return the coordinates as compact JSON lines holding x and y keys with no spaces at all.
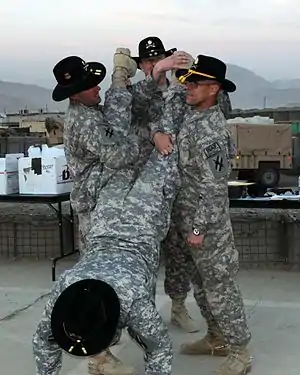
{"x":33,"y":125}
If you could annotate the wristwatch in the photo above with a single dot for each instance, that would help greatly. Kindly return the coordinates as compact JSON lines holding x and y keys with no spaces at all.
{"x":196,"y":232}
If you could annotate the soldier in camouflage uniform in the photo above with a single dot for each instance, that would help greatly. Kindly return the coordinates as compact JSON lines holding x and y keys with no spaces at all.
{"x":123,"y":251}
{"x":142,"y":128}
{"x":147,"y":109}
{"x":98,"y":144}
{"x":95,"y":151}
{"x":142,"y":99}
{"x":177,"y":277}
{"x":201,"y":217}
{"x":151,"y":54}
{"x":151,"y":51}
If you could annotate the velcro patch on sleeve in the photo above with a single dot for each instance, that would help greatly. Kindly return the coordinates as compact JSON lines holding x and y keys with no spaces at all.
{"x":212,"y":150}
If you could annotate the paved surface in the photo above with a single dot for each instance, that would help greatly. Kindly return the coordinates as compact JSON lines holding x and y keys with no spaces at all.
{"x":273,"y":306}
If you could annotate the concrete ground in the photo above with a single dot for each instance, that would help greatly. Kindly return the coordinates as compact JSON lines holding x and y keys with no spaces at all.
{"x":272,"y":299}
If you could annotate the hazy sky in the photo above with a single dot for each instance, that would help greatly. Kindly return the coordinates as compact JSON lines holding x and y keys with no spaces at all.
{"x":262,"y":35}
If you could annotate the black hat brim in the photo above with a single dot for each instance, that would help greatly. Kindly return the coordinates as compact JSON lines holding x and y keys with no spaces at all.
{"x":102,"y":334}
{"x":87,"y":82}
{"x":226,"y":84}
{"x":166,"y":53}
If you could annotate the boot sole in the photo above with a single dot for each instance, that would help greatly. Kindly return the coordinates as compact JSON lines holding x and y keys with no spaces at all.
{"x":245,"y":372}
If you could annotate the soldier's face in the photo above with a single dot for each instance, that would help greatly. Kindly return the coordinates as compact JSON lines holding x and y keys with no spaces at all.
{"x":200,"y":92}
{"x":88,"y":97}
{"x":146,"y":65}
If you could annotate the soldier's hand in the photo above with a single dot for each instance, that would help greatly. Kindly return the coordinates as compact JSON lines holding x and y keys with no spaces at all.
{"x":179,"y":60}
{"x":194,"y":240}
{"x":123,"y":60}
{"x":182,"y":60}
{"x":163,"y":143}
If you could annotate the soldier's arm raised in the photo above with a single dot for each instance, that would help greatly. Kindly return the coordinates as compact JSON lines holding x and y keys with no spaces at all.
{"x":117,"y":109}
{"x":171,"y":119}
{"x":144,"y":90}
{"x":109,"y":140}
{"x":173,"y":110}
{"x":113,"y":148}
{"x":175,"y":105}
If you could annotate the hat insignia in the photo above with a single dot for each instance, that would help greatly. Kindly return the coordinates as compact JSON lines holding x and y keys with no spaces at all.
{"x":150,"y":44}
{"x":73,"y":346}
{"x":67,"y":75}
{"x":97,"y":72}
{"x":195,"y":63}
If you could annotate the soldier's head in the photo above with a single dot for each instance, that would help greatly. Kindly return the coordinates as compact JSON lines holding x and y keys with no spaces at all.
{"x":78,"y":80}
{"x":204,"y":80}
{"x":151,"y":50}
{"x":84,"y":319}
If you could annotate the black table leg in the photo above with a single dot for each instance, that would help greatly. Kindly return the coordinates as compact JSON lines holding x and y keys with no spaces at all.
{"x":72,"y":229}
{"x":61,"y":218}
{"x":61,"y":240}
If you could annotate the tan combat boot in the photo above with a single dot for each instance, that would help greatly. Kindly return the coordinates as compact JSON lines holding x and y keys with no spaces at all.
{"x":180,"y":317}
{"x":107,"y":364}
{"x":212,"y":344}
{"x":238,"y":362}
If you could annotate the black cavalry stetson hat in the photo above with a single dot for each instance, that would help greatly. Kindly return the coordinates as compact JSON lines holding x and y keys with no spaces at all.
{"x":206,"y":68}
{"x":85,"y":317}
{"x":150,"y":47}
{"x":74,"y":75}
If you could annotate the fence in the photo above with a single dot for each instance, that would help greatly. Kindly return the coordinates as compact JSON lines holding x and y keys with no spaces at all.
{"x":32,"y":231}
{"x":267,"y":239}
{"x":264,"y":237}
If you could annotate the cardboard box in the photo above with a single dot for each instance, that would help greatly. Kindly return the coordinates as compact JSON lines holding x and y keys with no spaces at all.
{"x":44,"y":175}
{"x":9,"y":178}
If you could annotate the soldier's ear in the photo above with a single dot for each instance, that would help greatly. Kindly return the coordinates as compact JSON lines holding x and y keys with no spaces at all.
{"x":214,"y":91}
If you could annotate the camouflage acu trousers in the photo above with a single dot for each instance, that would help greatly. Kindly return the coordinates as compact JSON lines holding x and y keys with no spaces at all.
{"x":213,"y":268}
{"x":177,"y":266}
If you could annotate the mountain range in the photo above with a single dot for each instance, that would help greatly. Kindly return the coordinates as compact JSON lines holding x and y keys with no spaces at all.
{"x":253,"y":91}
